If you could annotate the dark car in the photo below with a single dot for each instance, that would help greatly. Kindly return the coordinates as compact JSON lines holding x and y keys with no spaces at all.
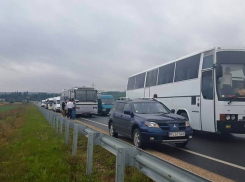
{"x":148,"y":121}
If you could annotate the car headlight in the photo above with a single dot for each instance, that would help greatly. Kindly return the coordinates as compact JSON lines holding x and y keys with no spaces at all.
{"x":187,"y":124}
{"x":233,"y":117}
{"x":151,"y":124}
{"x":228,"y":117}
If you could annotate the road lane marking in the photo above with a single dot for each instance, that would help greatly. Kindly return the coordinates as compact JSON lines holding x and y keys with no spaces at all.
{"x":94,"y":121}
{"x":208,"y":157}
{"x":189,"y":151}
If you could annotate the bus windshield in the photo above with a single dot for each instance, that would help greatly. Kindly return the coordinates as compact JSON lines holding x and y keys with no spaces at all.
{"x":86,"y":95}
{"x":231,"y":84}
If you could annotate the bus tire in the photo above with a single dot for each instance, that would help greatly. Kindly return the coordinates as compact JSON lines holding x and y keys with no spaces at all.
{"x":181,"y":144}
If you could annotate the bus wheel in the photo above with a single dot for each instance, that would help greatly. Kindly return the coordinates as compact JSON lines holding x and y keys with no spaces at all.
{"x":181,"y":144}
{"x":184,"y":115}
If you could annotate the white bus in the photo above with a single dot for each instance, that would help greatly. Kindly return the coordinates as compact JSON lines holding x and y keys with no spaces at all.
{"x":206,"y":87}
{"x":85,"y":97}
{"x":56,"y":104}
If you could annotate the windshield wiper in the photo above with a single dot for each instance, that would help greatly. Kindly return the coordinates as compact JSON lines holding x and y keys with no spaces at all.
{"x":232,"y":99}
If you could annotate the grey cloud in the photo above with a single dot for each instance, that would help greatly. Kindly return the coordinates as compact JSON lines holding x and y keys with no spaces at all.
{"x":103,"y":42}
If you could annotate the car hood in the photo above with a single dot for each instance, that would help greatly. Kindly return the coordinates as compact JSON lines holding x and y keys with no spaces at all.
{"x":162,"y":118}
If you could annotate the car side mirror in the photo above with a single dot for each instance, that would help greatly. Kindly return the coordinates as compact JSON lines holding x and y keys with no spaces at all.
{"x":172,"y":111}
{"x":219,"y":71}
{"x":127,"y":112}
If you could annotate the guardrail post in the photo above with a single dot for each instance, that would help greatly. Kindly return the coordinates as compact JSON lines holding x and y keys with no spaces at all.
{"x":74,"y":143}
{"x":61,"y":125}
{"x":120,"y":165}
{"x":90,"y":148}
{"x":67,"y":131}
{"x":57,"y":124}
{"x":54,"y":121}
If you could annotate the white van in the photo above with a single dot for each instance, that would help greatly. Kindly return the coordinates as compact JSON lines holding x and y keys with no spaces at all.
{"x":43,"y":103}
{"x":56,"y":104}
{"x":50,"y":103}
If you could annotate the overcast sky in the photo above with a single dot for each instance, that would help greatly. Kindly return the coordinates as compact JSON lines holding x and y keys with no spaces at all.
{"x":51,"y":45}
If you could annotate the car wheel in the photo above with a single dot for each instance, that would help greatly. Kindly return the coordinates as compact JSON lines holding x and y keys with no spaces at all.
{"x":184,"y":115}
{"x":181,"y":144}
{"x":137,"y":138}
{"x":112,"y":131}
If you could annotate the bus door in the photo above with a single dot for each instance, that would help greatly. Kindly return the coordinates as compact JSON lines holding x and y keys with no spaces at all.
{"x":147,"y":92}
{"x":207,"y":101}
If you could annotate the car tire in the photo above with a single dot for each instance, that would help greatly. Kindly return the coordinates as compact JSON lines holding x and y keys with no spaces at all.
{"x":137,"y":139}
{"x":112,"y":131}
{"x":181,"y":144}
{"x":184,"y":115}
{"x":90,"y":115}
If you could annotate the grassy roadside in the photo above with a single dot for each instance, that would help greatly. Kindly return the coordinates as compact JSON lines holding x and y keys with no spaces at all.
{"x":7,"y":107}
{"x":32,"y":151}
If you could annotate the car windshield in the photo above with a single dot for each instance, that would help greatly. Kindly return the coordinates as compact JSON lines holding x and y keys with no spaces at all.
{"x":150,"y":108}
{"x":231,"y":84}
{"x":107,"y":101}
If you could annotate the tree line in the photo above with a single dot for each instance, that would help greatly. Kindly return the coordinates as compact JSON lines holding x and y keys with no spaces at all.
{"x":26,"y":96}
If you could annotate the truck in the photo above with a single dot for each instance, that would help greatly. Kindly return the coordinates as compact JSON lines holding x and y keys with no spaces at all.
{"x":105,"y":104}
{"x":85,"y":98}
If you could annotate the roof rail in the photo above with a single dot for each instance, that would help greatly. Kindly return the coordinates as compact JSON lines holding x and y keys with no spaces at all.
{"x":124,"y":98}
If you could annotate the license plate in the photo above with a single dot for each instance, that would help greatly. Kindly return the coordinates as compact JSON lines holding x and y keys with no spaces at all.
{"x":176,"y":134}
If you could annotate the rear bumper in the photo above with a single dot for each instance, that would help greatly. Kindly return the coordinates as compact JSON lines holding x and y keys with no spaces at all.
{"x":86,"y":112}
{"x":231,"y":126}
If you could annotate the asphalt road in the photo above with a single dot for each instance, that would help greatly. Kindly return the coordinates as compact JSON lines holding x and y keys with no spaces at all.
{"x":223,"y":155}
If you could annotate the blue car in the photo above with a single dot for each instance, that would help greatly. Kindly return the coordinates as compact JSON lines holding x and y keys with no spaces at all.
{"x":148,"y":121}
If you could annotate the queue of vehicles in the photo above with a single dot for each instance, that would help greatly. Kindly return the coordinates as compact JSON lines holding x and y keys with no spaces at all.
{"x":88,"y":101}
{"x":204,"y":90}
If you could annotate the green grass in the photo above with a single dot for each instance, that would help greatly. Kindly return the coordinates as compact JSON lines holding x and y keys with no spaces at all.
{"x":7,"y":107}
{"x":34,"y":152}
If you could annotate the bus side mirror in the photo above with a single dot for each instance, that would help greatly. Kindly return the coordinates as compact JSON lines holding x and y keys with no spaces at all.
{"x":219,"y":71}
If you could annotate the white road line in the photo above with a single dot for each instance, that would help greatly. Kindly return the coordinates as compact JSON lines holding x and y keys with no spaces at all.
{"x":94,"y":122}
{"x":211,"y":158}
{"x":195,"y":153}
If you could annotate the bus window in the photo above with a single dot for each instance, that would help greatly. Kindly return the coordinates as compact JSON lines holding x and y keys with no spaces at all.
{"x":208,"y":62}
{"x":140,"y":81}
{"x":166,"y":74}
{"x":187,"y":68}
{"x":207,"y":85}
{"x":131,"y":82}
{"x":151,"y":78}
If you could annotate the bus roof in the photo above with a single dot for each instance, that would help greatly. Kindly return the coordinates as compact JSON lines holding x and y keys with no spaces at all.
{"x":189,"y":55}
{"x":106,"y":97}
{"x":175,"y":60}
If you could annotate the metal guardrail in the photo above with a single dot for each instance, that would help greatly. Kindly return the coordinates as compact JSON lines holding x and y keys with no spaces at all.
{"x":126,"y":155}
